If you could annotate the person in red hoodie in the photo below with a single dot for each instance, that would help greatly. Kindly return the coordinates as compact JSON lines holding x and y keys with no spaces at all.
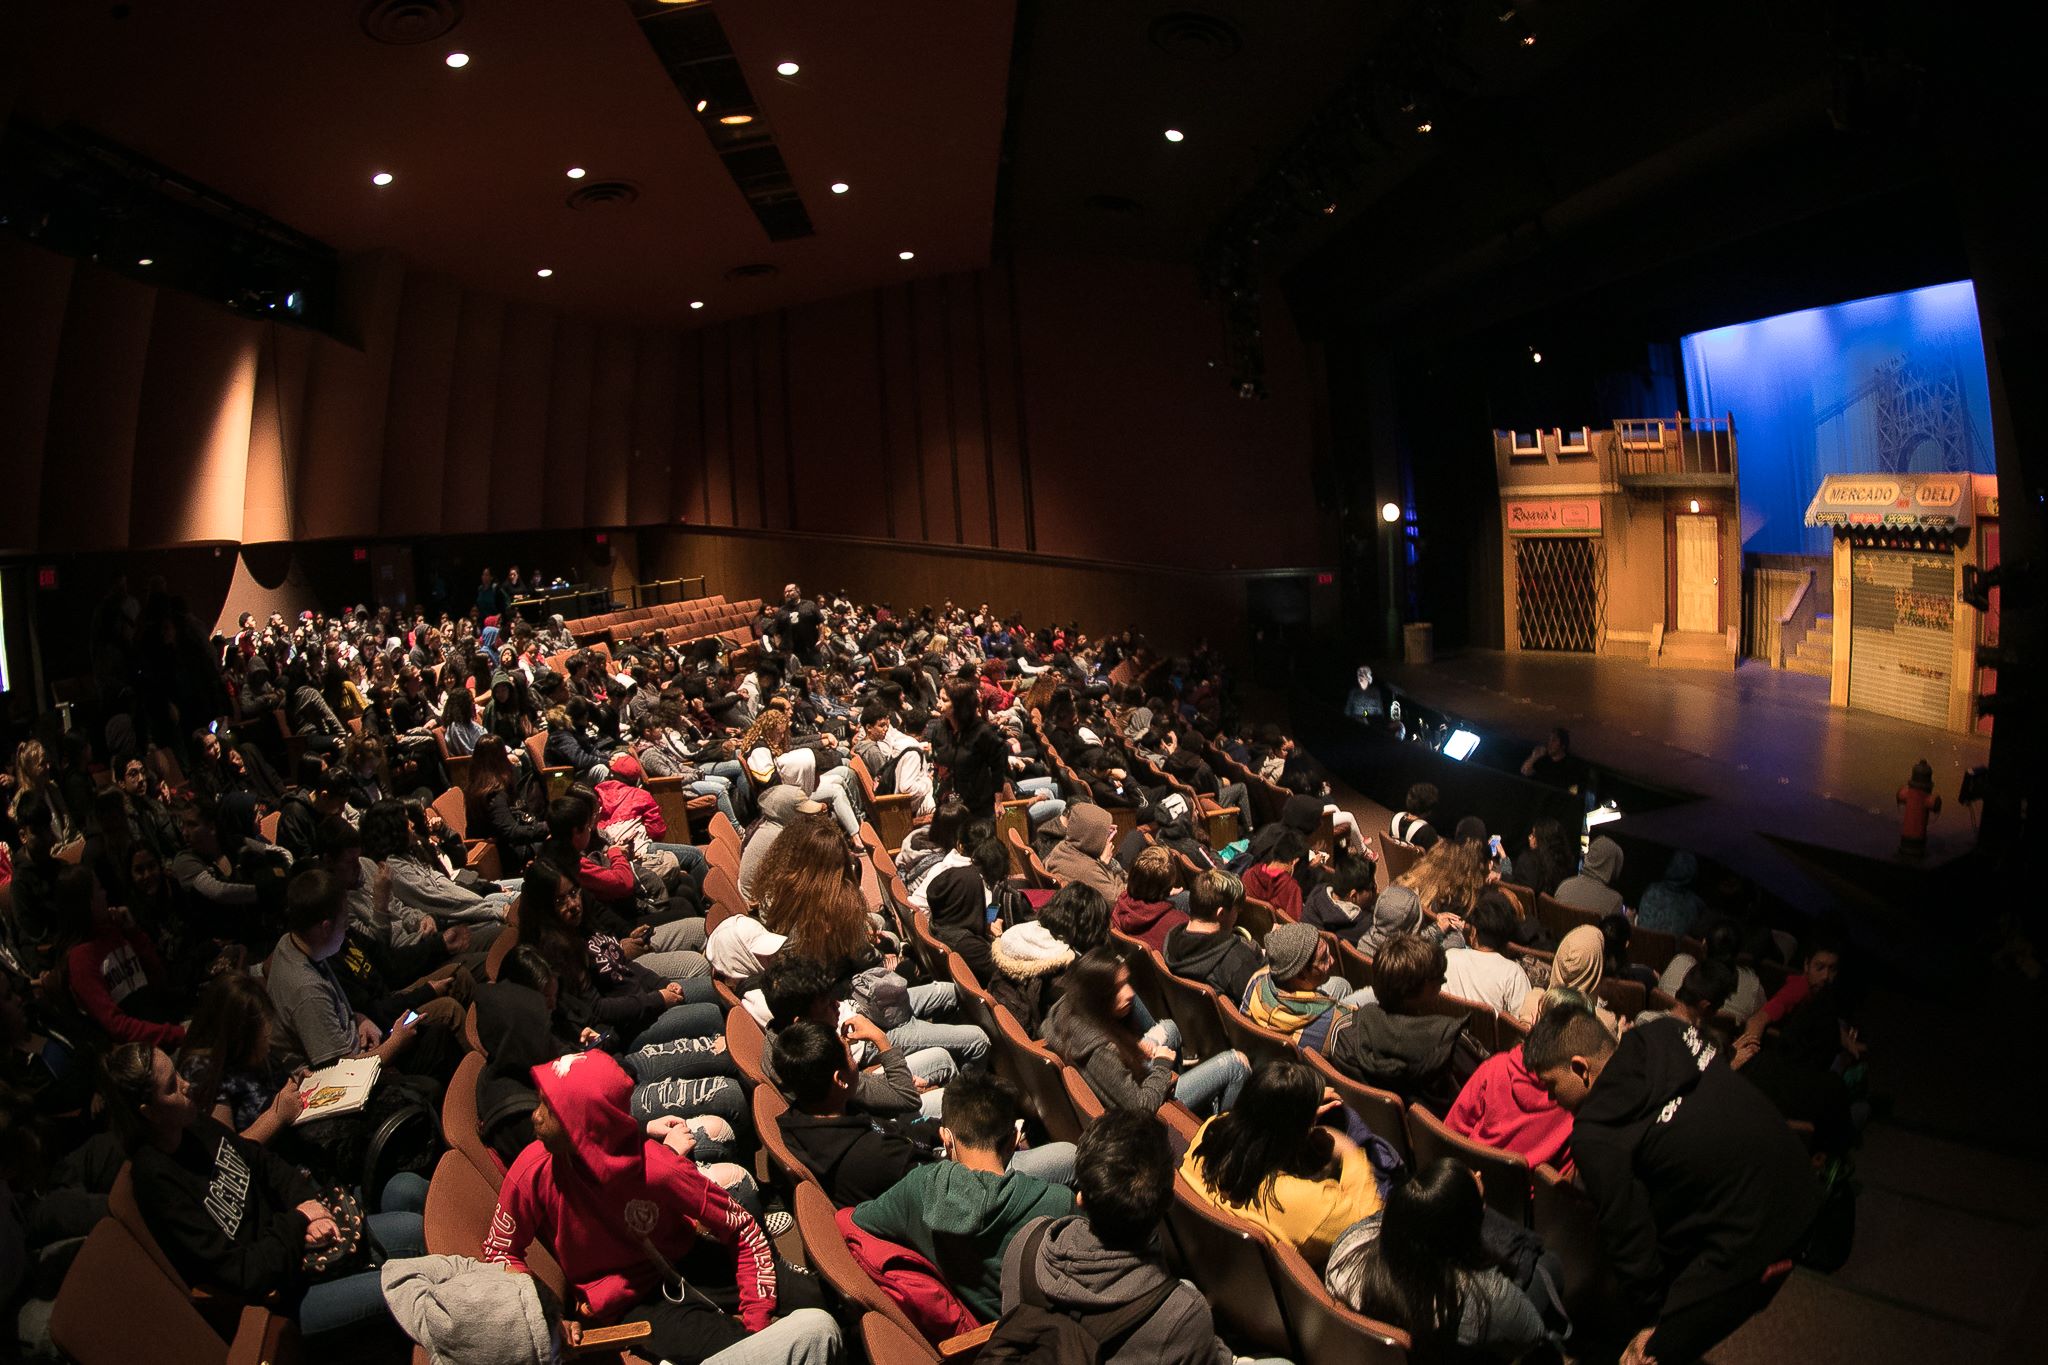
{"x":113,"y":969}
{"x":1505,"y":1105}
{"x":1144,"y":910}
{"x":621,"y":797}
{"x":642,"y":1235}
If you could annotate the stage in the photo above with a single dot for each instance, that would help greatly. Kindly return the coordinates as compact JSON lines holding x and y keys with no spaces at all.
{"x":1767,"y":763}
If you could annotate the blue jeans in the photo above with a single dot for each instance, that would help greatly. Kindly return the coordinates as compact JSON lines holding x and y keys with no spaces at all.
{"x":357,"y":1298}
{"x":693,"y":1018}
{"x":1052,"y":1162}
{"x":1048,"y":803}
{"x":738,"y":784}
{"x":1211,"y":1086}
{"x":720,"y":790}
{"x":965,"y":1043}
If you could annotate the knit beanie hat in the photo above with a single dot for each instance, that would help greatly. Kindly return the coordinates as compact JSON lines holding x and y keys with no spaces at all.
{"x":1290,"y":948}
{"x":1089,"y":826}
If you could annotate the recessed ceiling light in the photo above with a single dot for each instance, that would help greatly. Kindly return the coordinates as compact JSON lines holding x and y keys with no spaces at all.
{"x":735,"y":120}
{"x":147,"y":260}
{"x":544,"y":272}
{"x":696,"y":303}
{"x":702,"y":105}
{"x":381,"y":178}
{"x":787,"y":69}
{"x":1175,"y":135}
{"x":905,"y":255}
{"x":458,"y":60}
{"x":577,"y":172}
{"x":840,"y":187}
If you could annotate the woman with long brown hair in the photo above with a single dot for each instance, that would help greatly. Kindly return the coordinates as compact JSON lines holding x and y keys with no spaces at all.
{"x":1449,"y":878}
{"x":808,"y":890}
{"x":490,"y":796}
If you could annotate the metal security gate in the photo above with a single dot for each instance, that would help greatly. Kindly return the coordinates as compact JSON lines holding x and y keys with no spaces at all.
{"x":1902,"y":608}
{"x":1559,"y":591}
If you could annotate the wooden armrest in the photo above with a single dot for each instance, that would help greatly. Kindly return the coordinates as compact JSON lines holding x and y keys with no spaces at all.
{"x":262,"y":1338}
{"x":967,"y":1343}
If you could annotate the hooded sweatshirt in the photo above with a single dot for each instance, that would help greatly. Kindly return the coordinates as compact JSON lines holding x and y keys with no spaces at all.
{"x":1081,"y":1275}
{"x":1030,"y":967}
{"x":1414,"y":1055}
{"x":1284,"y":1009}
{"x":1151,"y":921}
{"x":1397,"y":911}
{"x":225,"y":1209}
{"x":858,"y":1157}
{"x":601,"y":1210}
{"x":961,"y":1221}
{"x":465,"y":1312}
{"x":1593,"y":889}
{"x":958,"y":901}
{"x":1223,"y":961}
{"x":778,"y":807}
{"x":512,"y":1022}
{"x":1672,"y":906}
{"x":1078,"y":857}
{"x":1504,"y":1105}
{"x":1343,"y":918}
{"x":1700,"y":1184}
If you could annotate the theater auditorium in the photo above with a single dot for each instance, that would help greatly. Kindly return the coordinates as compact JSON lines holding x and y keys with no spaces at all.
{"x":881,"y":682}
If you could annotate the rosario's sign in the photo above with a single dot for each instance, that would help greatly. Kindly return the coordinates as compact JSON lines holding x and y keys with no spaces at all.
{"x":1553,"y":517}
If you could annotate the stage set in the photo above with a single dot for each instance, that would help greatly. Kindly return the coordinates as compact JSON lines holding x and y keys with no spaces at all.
{"x":1759,"y":620}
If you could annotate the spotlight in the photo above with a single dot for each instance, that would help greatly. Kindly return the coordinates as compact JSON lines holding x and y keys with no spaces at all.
{"x":381,"y":178}
{"x":1425,"y":126}
{"x":577,"y":172}
{"x":1331,"y":207}
{"x":147,"y":260}
{"x":1390,"y":512}
{"x":457,"y":60}
{"x":840,"y":187}
{"x":787,"y":69}
{"x":1528,"y":38}
{"x":1535,"y":357}
{"x":696,"y":303}
{"x":702,"y":105}
{"x":1175,"y":135}
{"x":735,"y":120}
{"x":905,"y":255}
{"x":544,"y":272}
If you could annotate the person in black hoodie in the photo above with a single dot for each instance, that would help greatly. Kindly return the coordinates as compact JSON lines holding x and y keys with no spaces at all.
{"x":1424,"y":1058}
{"x":856,"y":1153}
{"x":314,"y":797}
{"x":1342,"y":904}
{"x":959,"y":902}
{"x":1705,"y":1195}
{"x":1208,"y":947}
{"x":234,"y":1216}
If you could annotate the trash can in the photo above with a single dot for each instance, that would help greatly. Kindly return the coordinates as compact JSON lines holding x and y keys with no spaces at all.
{"x":1418,"y":642}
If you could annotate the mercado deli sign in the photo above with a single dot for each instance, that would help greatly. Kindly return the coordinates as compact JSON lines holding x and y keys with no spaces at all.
{"x":1930,"y":501}
{"x":1553,"y":517}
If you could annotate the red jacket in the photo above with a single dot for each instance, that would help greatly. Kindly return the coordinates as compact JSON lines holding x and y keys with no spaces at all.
{"x":1504,"y":1105}
{"x":914,"y":1283}
{"x":1151,"y":921}
{"x":623,"y":801}
{"x":600,"y":1213}
{"x":609,"y":878}
{"x":109,"y":967}
{"x":1276,"y":887}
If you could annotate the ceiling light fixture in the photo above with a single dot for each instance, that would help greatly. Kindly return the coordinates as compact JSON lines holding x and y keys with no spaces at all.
{"x":457,"y":60}
{"x":1175,"y":135}
{"x":1536,"y":357}
{"x":787,"y":69}
{"x":544,"y":272}
{"x":577,"y":172}
{"x":702,"y":105}
{"x":696,"y":303}
{"x":735,"y":120}
{"x":840,"y":187}
{"x":905,"y":255}
{"x":147,"y":260}
{"x":381,"y":178}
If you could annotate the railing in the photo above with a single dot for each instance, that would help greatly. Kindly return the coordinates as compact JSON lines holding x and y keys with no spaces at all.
{"x":1771,"y":591}
{"x":1676,"y":446}
{"x":1798,"y":618}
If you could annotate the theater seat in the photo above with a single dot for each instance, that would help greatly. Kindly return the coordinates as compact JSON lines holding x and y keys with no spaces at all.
{"x":116,"y":1308}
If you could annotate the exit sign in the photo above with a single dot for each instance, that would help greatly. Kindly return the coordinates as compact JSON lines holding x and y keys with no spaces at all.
{"x":1325,"y":579}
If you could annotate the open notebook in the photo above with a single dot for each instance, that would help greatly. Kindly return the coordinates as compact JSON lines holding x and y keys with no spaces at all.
{"x":342,"y":1088}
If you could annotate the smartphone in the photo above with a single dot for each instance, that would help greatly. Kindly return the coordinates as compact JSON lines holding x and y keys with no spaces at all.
{"x":411,"y":1017}
{"x":213,"y":727}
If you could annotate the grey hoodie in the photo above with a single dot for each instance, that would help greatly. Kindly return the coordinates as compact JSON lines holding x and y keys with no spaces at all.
{"x":465,"y":1312}
{"x":1078,"y":1273}
{"x":1593,"y":889}
{"x":778,"y":807}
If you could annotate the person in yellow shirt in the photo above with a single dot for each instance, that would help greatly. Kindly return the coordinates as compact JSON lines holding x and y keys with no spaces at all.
{"x":1271,"y":1164}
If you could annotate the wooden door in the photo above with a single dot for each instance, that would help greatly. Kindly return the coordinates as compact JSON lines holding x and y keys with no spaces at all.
{"x":1699,"y":573}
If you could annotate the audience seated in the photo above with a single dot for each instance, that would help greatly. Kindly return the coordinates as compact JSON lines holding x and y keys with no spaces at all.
{"x":1144,"y":910}
{"x":1593,"y":887}
{"x":1209,"y":948}
{"x":1392,"y":1043}
{"x":1505,"y":1105}
{"x":1481,"y":971}
{"x":1130,"y":1066}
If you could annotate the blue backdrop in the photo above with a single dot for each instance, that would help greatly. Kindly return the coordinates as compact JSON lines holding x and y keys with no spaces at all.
{"x":1883,"y":385}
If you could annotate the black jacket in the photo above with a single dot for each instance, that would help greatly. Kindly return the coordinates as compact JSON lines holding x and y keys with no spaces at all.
{"x":857,"y":1157}
{"x":974,"y":761}
{"x":298,"y":826}
{"x":1423,"y":1058}
{"x":513,"y":1024}
{"x":1700,"y":1184}
{"x":959,"y":910}
{"x":1222,"y":961}
{"x":225,"y":1210}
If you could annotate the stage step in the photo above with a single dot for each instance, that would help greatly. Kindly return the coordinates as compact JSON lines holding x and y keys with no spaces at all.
{"x":1696,"y":649}
{"x":1815,"y":654}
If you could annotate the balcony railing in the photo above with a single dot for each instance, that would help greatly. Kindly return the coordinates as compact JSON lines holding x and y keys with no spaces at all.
{"x":1677,"y":448}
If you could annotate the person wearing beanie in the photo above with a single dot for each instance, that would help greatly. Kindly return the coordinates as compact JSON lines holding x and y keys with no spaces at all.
{"x":1294,"y":993}
{"x":1083,"y":855}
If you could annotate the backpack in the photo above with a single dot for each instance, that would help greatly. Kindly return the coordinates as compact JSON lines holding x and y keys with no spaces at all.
{"x":1034,"y":1331}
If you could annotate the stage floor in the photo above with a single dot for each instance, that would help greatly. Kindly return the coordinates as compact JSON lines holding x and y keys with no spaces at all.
{"x":1759,"y":747}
